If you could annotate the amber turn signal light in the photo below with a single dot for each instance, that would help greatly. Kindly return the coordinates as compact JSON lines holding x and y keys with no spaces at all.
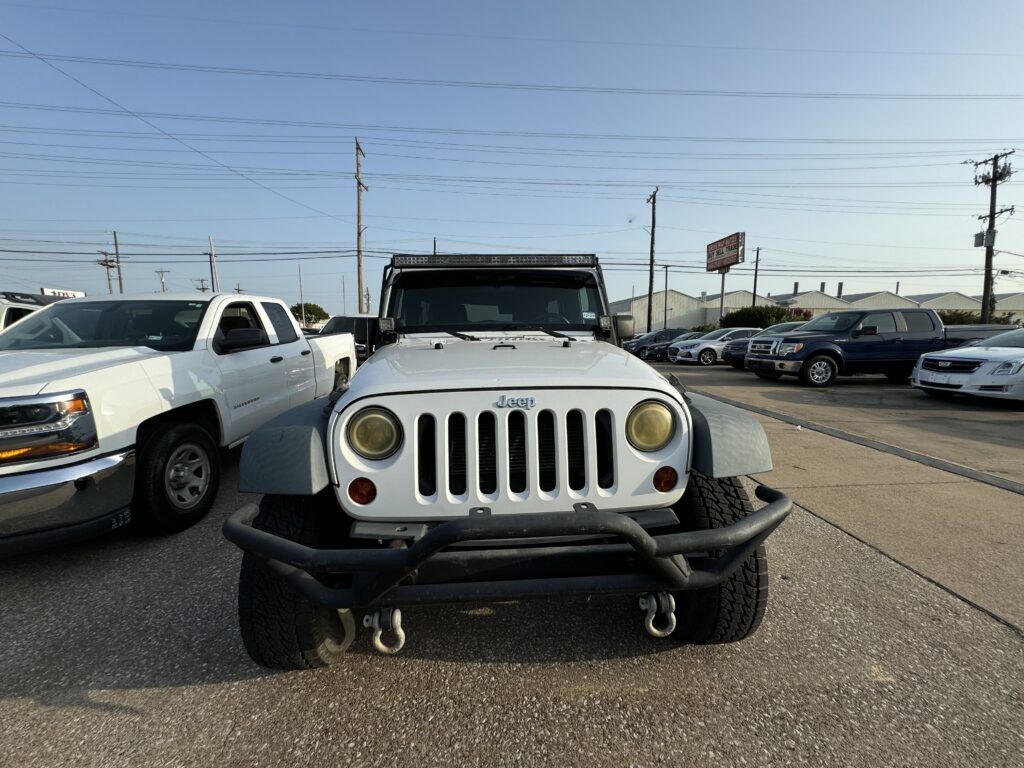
{"x":362,"y":490}
{"x":665,"y":479}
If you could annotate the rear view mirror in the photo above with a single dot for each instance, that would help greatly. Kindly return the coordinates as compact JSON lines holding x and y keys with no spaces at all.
{"x":624,"y":327}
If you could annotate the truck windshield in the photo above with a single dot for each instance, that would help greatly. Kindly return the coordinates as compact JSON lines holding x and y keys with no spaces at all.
{"x":487,"y":299}
{"x":168,"y":326}
{"x":1008,"y":339}
{"x":833,"y":321}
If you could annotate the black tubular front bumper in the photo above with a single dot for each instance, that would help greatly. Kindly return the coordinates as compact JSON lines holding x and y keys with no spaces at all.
{"x":429,"y":572}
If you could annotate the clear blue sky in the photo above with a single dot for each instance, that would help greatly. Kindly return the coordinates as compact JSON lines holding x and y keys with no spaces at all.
{"x":862,"y":185}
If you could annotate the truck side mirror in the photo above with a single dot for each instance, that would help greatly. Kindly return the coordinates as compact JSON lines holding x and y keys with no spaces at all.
{"x":242,"y":338}
{"x":624,"y":327}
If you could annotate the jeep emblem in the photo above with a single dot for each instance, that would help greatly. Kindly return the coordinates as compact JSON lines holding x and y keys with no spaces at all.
{"x":515,"y":402}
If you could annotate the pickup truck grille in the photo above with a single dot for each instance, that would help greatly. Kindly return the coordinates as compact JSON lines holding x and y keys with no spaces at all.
{"x":766,"y":347}
{"x":950,"y":366}
{"x":510,"y":448}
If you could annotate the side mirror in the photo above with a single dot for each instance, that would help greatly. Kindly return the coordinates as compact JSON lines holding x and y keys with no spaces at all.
{"x":868,"y":330}
{"x":624,"y":327}
{"x":242,"y":338}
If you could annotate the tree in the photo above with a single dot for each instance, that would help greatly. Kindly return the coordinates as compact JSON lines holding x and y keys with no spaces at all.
{"x":314,"y":312}
{"x":763,"y":316}
{"x":963,"y":317}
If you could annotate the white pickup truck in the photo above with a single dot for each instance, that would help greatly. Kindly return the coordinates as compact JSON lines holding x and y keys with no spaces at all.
{"x":116,"y":409}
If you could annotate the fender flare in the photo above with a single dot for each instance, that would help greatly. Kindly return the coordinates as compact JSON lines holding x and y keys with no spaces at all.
{"x":727,"y":442}
{"x":287,"y":455}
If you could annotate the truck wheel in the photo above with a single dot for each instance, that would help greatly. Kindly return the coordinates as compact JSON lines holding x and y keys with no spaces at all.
{"x":733,"y":610}
{"x":707,"y":357}
{"x":280,"y":628}
{"x":177,"y":477}
{"x":819,"y":371}
{"x":768,"y":375}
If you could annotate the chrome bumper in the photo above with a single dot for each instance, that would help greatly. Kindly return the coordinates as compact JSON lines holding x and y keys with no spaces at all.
{"x":47,"y":499}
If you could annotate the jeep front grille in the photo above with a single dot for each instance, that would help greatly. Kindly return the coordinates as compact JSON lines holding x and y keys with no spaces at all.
{"x":529,"y":444}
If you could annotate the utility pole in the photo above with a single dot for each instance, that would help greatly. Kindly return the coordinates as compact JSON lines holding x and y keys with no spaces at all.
{"x":238,"y":288}
{"x":367,"y":300}
{"x":665,"y":302}
{"x":214,"y":277}
{"x":757,"y":262}
{"x":162,"y":272}
{"x":360,"y":188}
{"x":435,"y":246}
{"x":302,"y":301}
{"x":653,"y":200}
{"x":117,"y":259}
{"x":993,"y":178}
{"x":344,"y":297}
{"x":201,"y":284}
{"x":107,"y":263}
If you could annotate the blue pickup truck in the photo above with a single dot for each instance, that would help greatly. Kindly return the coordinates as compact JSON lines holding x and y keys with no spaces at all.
{"x":848,"y":342}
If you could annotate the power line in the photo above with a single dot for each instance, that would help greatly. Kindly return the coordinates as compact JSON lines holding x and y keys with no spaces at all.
{"x":507,"y":86}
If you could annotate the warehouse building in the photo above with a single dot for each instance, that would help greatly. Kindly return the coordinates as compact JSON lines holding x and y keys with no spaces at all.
{"x":817,"y":302}
{"x":879,"y":300}
{"x":949,"y":301}
{"x":682,"y":310}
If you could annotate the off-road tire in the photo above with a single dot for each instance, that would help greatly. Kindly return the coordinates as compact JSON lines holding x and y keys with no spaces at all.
{"x":152,"y":505}
{"x":732,"y":610}
{"x":280,"y":628}
{"x":809,"y":372}
{"x":768,"y":375}
{"x":707,"y":357}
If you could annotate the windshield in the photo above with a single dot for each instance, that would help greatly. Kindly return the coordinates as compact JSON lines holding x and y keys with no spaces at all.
{"x":715,"y":334}
{"x":833,"y":321}
{"x":362,"y":327}
{"x":168,"y":326}
{"x":779,"y":328}
{"x":1007,"y":339}
{"x":473,"y":301}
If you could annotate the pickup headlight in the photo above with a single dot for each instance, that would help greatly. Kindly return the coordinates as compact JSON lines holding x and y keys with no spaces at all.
{"x":789,"y":349}
{"x":45,"y":426}
{"x":374,"y":433}
{"x":1009,"y":368}
{"x":650,"y":426}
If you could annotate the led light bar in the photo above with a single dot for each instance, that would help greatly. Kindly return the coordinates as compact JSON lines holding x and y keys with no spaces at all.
{"x":496,"y":260}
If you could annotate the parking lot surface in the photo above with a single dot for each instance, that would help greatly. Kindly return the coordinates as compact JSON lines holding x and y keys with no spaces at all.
{"x":983,"y":434}
{"x":125,"y":651}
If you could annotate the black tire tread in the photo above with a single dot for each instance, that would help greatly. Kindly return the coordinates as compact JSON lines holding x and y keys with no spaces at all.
{"x":280,"y":628}
{"x":150,"y":509}
{"x":733,"y":610}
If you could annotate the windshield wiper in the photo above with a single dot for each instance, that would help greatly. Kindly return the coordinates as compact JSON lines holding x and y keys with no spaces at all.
{"x":542,"y":329}
{"x":459,"y":335}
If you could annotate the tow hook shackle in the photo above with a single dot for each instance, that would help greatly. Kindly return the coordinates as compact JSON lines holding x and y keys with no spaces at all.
{"x":659,"y":603}
{"x":387,"y":620}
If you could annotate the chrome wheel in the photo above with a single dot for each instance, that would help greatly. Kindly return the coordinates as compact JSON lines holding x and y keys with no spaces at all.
{"x":820,"y":372}
{"x":187,"y":476}
{"x":707,"y":357}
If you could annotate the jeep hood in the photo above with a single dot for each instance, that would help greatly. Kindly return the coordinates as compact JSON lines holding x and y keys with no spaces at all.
{"x":507,"y":363}
{"x":27,"y":372}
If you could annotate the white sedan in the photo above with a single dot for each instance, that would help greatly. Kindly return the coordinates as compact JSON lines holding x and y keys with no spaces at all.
{"x":991,"y":368}
{"x":707,"y":349}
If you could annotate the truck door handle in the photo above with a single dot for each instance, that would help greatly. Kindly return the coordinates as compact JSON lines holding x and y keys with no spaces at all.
{"x":276,"y":359}
{"x":305,"y":352}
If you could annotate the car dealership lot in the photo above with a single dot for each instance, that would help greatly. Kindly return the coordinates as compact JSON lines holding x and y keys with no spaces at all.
{"x":125,"y":650}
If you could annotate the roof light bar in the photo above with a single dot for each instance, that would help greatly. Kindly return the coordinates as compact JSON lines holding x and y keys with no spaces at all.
{"x":496,"y":260}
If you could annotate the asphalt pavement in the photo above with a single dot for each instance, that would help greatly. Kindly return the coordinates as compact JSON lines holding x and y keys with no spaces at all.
{"x":125,"y":651}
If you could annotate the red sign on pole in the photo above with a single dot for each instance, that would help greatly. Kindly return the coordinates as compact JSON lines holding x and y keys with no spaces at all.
{"x":723,"y":253}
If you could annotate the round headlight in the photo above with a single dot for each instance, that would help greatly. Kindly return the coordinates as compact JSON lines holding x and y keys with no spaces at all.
{"x":650,"y":426}
{"x":374,"y":433}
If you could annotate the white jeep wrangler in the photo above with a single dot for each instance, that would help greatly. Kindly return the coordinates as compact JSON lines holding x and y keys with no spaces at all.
{"x":499,"y":445}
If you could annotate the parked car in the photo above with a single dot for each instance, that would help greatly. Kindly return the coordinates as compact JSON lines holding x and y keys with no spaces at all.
{"x":14,"y":306}
{"x":707,"y":349}
{"x":735,"y":352}
{"x":362,"y":327}
{"x":654,"y":337}
{"x":659,"y":351}
{"x":990,"y":368}
{"x":854,"y":341}
{"x":114,"y":410}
